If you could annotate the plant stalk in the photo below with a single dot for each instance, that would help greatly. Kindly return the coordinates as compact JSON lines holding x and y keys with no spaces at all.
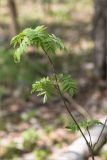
{"x":66,"y":106}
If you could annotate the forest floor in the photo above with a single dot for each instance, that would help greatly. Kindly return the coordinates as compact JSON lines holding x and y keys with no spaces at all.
{"x":30,"y":130}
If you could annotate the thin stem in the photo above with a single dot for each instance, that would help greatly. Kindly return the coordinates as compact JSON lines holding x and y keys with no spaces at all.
{"x":91,"y":144}
{"x":100,"y":133}
{"x":66,"y":106}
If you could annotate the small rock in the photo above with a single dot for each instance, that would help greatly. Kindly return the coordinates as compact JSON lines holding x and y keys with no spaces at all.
{"x":104,"y":104}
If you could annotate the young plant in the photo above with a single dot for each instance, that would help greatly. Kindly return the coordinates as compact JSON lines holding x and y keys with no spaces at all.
{"x":30,"y":138}
{"x":56,"y":84}
{"x":41,"y":154}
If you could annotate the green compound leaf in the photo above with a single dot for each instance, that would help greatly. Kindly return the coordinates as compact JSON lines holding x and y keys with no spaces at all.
{"x":17,"y":39}
{"x":45,"y":88}
{"x":38,"y":37}
{"x":22,"y":49}
{"x":67,"y":84}
{"x":83,"y":124}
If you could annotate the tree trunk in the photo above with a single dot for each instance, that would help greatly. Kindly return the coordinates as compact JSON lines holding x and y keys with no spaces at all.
{"x":100,"y":38}
{"x":14,"y":26}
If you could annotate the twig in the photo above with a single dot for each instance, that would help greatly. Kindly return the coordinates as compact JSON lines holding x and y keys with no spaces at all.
{"x":91,"y":144}
{"x":100,"y":134}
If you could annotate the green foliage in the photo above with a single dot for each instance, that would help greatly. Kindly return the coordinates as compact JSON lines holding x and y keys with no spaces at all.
{"x":2,"y":92}
{"x":50,"y":1}
{"x":29,"y":138}
{"x":41,"y":154}
{"x":83,"y":124}
{"x":44,"y":87}
{"x":29,"y":115}
{"x":47,"y":1}
{"x":67,"y":84}
{"x":11,"y":152}
{"x":39,"y":37}
{"x":47,"y":87}
{"x":49,"y":128}
{"x":21,"y":73}
{"x":61,"y":14}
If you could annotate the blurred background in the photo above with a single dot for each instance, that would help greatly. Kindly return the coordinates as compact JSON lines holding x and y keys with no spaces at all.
{"x":30,"y":130}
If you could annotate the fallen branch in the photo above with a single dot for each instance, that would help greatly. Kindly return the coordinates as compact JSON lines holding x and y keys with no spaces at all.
{"x":78,"y":150}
